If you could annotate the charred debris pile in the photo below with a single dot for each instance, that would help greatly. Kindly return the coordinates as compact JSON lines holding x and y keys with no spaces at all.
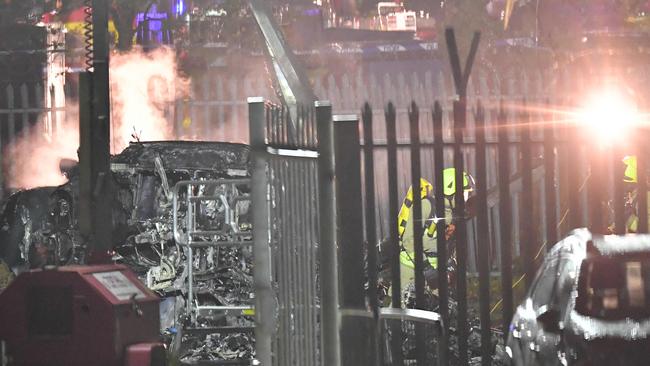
{"x":40,"y":227}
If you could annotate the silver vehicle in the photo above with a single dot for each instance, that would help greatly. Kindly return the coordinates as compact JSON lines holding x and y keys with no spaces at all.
{"x":588,"y":305}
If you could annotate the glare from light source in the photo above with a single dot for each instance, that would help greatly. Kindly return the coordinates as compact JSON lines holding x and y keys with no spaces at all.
{"x":609,"y":117}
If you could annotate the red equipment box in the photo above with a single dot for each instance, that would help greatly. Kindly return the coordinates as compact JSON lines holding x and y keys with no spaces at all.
{"x":80,"y":316}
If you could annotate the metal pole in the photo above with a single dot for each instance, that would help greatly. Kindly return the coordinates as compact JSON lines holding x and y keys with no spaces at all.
{"x":394,"y":245}
{"x":349,"y":223}
{"x":528,"y":239}
{"x":573,"y":176}
{"x":371,"y":230}
{"x":619,"y":195}
{"x":53,"y":127}
{"x":461,"y":78}
{"x":264,"y":298}
{"x":85,"y":155}
{"x":642,"y":182}
{"x":483,"y":237}
{"x":549,"y":184}
{"x":505,"y":219}
{"x":329,"y":286}
{"x":315,"y":262}
{"x":596,"y":193}
{"x":190,"y":255}
{"x":418,"y":246}
{"x":3,"y":354}
{"x":461,"y":230}
{"x":102,"y":228}
{"x":441,"y":224}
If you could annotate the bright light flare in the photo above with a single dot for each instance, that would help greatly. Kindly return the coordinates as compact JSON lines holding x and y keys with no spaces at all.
{"x":609,"y":117}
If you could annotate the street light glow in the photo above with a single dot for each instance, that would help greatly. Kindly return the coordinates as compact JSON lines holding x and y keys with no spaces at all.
{"x":609,"y":116}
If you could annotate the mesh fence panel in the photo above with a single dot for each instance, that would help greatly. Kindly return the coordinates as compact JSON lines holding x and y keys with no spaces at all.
{"x":293,"y":213}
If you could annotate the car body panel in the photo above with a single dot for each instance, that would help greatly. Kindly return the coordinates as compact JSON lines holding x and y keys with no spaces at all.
{"x":578,"y":339}
{"x":136,"y":197}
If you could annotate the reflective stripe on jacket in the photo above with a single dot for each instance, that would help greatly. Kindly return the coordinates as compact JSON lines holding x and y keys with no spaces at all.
{"x":408,"y":259}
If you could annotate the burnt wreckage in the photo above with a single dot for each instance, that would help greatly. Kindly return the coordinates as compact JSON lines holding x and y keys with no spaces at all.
{"x":154,"y":185}
{"x":181,"y":221}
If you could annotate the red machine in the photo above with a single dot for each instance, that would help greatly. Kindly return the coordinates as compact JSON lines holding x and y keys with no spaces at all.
{"x":80,"y":316}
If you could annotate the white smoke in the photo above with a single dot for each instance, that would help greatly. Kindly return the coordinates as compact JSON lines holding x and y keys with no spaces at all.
{"x":143,"y":88}
{"x":33,"y":158}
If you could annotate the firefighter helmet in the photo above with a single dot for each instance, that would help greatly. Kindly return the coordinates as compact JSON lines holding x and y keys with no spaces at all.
{"x":630,"y":169}
{"x":449,"y":181}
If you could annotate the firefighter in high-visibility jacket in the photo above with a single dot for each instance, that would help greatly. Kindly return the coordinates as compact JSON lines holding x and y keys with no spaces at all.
{"x":631,"y":199}
{"x":407,"y":255}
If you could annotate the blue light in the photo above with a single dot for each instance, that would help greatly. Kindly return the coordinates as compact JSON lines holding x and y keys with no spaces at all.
{"x":180,"y":7}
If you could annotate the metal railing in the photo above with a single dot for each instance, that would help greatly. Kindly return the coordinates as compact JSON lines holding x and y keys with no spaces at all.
{"x":285,"y":196}
{"x":537,"y":176}
{"x":192,"y":236}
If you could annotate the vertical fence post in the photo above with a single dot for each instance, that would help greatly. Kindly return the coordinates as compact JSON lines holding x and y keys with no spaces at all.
{"x":274,"y":120}
{"x":549,"y":182}
{"x":11,"y":128}
{"x":505,"y":218}
{"x":85,"y":171}
{"x":330,"y":351}
{"x":286,"y":341}
{"x":597,"y":186}
{"x":416,"y":219}
{"x":281,"y":120}
{"x":461,"y":78}
{"x":94,"y":164}
{"x":25,"y":127}
{"x":619,"y":199}
{"x":441,"y":232}
{"x":101,"y":128}
{"x":642,"y":183}
{"x":394,"y":245}
{"x":53,"y":125}
{"x":461,"y":229}
{"x":264,"y":298}
{"x":483,"y":236}
{"x":354,"y":345}
{"x":3,"y":183}
{"x":371,"y":229}
{"x":527,"y":234}
{"x":573,"y":175}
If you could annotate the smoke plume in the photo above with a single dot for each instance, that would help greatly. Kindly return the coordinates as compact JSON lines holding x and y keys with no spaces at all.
{"x":33,"y":158}
{"x":143,"y":88}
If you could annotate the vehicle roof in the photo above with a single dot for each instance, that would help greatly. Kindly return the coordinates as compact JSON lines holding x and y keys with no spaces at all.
{"x":186,"y":155}
{"x":573,"y":244}
{"x":583,"y":242}
{"x":612,"y":245}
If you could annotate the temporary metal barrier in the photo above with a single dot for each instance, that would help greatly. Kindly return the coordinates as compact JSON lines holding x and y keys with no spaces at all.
{"x":192,"y":236}
{"x":193,"y":201}
{"x":285,"y":224}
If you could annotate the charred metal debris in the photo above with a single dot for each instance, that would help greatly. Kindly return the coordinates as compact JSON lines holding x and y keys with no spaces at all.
{"x":39,"y":227}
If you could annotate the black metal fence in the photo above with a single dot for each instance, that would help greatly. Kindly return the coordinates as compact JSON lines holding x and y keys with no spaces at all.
{"x":535,"y":173}
{"x":539,"y":172}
